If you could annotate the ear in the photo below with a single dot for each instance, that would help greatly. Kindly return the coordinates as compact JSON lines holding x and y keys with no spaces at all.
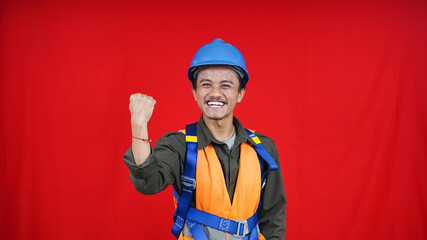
{"x":194,"y":93}
{"x":240,"y":95}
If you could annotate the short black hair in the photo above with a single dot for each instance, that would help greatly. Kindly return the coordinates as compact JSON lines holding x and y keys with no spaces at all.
{"x":242,"y":84}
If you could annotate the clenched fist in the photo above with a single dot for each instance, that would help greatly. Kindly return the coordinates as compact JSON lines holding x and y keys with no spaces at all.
{"x":141,"y":108}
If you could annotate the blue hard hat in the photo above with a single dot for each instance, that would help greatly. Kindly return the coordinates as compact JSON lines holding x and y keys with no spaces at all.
{"x":218,"y":52}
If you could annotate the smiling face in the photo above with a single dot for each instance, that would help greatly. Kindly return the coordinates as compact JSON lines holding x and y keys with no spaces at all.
{"x":217,"y":92}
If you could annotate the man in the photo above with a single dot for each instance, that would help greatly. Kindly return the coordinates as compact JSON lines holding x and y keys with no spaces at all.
{"x":224,"y":177}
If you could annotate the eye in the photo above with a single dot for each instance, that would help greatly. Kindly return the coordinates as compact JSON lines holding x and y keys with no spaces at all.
{"x":206,"y":84}
{"x":226,"y":85}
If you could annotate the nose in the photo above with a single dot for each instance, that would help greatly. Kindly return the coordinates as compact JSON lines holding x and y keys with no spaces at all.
{"x":216,"y":91}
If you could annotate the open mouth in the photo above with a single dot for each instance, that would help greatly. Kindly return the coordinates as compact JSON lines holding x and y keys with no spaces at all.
{"x":215,"y":104}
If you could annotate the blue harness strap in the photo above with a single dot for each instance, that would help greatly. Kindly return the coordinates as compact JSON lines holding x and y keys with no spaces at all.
{"x":188,"y":180}
{"x":238,"y":228}
{"x":197,"y":230}
{"x":262,"y":154}
{"x":194,"y":218}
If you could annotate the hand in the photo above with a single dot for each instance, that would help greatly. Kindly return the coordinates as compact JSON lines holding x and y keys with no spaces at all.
{"x":141,"y":108}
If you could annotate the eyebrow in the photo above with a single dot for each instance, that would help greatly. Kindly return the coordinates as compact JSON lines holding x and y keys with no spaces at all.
{"x":227,"y":81}
{"x":222,"y":81}
{"x":205,"y":80}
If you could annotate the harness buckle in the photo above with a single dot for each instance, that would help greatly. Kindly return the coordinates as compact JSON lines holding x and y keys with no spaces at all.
{"x":263,"y":184}
{"x":242,"y":226}
{"x":188,"y":182}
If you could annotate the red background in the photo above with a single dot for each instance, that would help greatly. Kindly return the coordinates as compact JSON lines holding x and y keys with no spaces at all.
{"x":340,"y":86}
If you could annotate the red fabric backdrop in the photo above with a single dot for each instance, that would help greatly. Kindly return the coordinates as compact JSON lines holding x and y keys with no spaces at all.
{"x":341,"y":87}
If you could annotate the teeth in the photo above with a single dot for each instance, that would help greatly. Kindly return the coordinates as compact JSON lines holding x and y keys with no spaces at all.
{"x":215,"y":104}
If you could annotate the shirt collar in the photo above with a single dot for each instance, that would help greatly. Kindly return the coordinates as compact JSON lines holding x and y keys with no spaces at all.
{"x":205,"y":137}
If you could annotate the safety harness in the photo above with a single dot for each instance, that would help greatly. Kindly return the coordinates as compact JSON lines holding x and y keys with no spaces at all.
{"x":195,"y":218}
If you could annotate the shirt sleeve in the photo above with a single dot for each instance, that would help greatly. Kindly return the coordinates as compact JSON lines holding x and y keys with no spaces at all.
{"x":272,"y":220}
{"x":162,"y":168}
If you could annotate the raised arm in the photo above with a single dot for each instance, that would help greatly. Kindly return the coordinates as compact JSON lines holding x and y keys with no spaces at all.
{"x":141,"y":108}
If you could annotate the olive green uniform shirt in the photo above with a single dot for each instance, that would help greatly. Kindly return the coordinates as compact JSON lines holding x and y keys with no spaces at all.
{"x":165,"y":166}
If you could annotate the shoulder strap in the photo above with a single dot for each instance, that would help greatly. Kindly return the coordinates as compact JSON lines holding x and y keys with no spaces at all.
{"x":262,"y":154}
{"x":188,"y":181}
{"x":272,"y":166}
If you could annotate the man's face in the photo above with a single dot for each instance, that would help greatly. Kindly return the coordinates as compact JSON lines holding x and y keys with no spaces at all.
{"x":217,"y":92}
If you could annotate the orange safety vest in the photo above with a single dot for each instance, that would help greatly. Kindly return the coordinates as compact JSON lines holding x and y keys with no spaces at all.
{"x":211,"y":191}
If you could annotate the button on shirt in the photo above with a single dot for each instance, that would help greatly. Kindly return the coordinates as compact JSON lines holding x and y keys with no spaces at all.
{"x":165,"y":167}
